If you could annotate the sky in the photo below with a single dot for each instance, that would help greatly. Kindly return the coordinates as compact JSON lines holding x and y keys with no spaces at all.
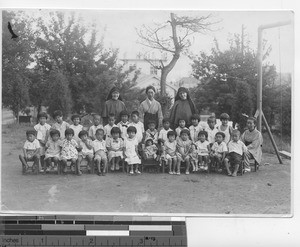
{"x":119,"y":30}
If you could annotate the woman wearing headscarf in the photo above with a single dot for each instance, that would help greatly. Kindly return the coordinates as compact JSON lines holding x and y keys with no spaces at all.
{"x":253,"y":140}
{"x":113,"y":105}
{"x":183,"y":108}
{"x":150,"y":109}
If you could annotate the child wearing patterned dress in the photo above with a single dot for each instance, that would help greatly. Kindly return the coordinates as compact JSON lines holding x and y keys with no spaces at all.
{"x":76,"y":126}
{"x":236,"y":148}
{"x":195,"y":127}
{"x":95,"y":127}
{"x":151,"y":132}
{"x":100,"y":150}
{"x":110,"y":125}
{"x":42,"y":129}
{"x":163,"y":134}
{"x":131,"y":154}
{"x":203,"y":148}
{"x":183,"y":150}
{"x":115,"y":145}
{"x":87,"y":152}
{"x":218,"y":151}
{"x":59,"y":124}
{"x":170,"y":152}
{"x":31,"y":150}
{"x":123,"y":124}
{"x":52,"y":153}
{"x":150,"y":149}
{"x":69,"y":150}
{"x":181,"y":126}
{"x":194,"y":157}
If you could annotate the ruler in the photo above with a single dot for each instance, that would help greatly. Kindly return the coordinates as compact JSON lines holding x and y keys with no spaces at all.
{"x":92,"y":230}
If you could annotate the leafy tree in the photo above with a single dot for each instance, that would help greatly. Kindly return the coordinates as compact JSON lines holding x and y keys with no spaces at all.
{"x":172,"y":37}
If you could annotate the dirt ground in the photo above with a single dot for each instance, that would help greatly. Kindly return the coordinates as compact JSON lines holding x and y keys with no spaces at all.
{"x":267,"y":191}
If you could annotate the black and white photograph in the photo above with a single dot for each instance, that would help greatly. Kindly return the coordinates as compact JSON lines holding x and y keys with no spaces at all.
{"x":147,"y":111}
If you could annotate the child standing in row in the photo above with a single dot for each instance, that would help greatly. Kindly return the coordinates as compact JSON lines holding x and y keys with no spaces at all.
{"x":195,"y":128}
{"x":97,"y":125}
{"x":115,"y":145}
{"x":151,"y":132}
{"x":123,"y":124}
{"x":225,"y":128}
{"x":138,"y":125}
{"x":163,"y":134}
{"x":76,"y":126}
{"x":111,"y":124}
{"x":131,"y":150}
{"x":59,"y":124}
{"x":100,"y":150}
{"x":181,"y":126}
{"x":211,"y":130}
{"x":31,"y":151}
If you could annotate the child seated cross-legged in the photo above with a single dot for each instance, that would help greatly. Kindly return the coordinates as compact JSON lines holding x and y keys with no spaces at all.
{"x":87,"y":152}
{"x":115,"y":145}
{"x":52,"y":153}
{"x":183,"y":150}
{"x":150,"y":149}
{"x":236,"y":148}
{"x":100,"y":152}
{"x":218,"y":151}
{"x":131,"y":154}
{"x":69,"y":150}
{"x":203,"y":148}
{"x":169,"y":154}
{"x":31,"y":151}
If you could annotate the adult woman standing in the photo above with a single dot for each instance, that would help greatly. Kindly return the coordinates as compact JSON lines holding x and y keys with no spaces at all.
{"x":183,"y":108}
{"x":253,"y":140}
{"x":150,"y":109}
{"x":113,"y":105}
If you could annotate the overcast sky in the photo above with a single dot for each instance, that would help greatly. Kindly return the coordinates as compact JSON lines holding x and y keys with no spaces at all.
{"x":119,"y":29}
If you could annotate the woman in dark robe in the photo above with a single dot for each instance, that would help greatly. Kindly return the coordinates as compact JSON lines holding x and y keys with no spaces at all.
{"x":150,"y":109}
{"x":183,"y":108}
{"x":113,"y":105}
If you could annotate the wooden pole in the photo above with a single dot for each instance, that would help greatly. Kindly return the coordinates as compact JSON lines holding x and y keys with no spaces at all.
{"x":271,"y":137}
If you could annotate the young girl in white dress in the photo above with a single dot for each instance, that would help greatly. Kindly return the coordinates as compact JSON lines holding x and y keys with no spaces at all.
{"x":115,"y":145}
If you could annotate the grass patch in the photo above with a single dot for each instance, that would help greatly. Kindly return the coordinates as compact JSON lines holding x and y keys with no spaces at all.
{"x":283,"y":143}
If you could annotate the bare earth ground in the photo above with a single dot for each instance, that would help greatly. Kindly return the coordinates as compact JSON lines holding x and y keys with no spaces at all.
{"x":267,"y":191}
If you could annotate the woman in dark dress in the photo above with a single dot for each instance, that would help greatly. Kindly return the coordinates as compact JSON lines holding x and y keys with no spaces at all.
{"x":183,"y":108}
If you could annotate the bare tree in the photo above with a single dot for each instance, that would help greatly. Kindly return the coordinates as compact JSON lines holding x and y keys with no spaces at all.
{"x":175,"y":42}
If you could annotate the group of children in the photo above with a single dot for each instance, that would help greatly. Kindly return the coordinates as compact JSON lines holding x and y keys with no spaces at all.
{"x":198,"y":146}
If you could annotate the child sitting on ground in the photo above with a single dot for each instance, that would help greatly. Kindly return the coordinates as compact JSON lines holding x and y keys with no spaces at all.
{"x":97,"y":125}
{"x":59,"y":124}
{"x":100,"y":152}
{"x":195,"y":127}
{"x":42,"y":129}
{"x":203,"y":148}
{"x":115,"y":145}
{"x":87,"y":152}
{"x":181,"y":126}
{"x":225,"y":128}
{"x":76,"y":126}
{"x":31,"y":151}
{"x":163,"y":134}
{"x":150,"y":149}
{"x":218,"y":151}
{"x":151,"y":132}
{"x":52,"y":153}
{"x":169,"y":154}
{"x":183,"y":150}
{"x":211,"y":130}
{"x":194,"y":157}
{"x":110,"y":125}
{"x":236,"y":148}
{"x":123,"y":124}
{"x":69,"y":150}
{"x":131,"y":150}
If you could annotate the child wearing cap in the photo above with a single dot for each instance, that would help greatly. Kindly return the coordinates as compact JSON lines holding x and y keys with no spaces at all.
{"x":224,"y":127}
{"x":31,"y":151}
